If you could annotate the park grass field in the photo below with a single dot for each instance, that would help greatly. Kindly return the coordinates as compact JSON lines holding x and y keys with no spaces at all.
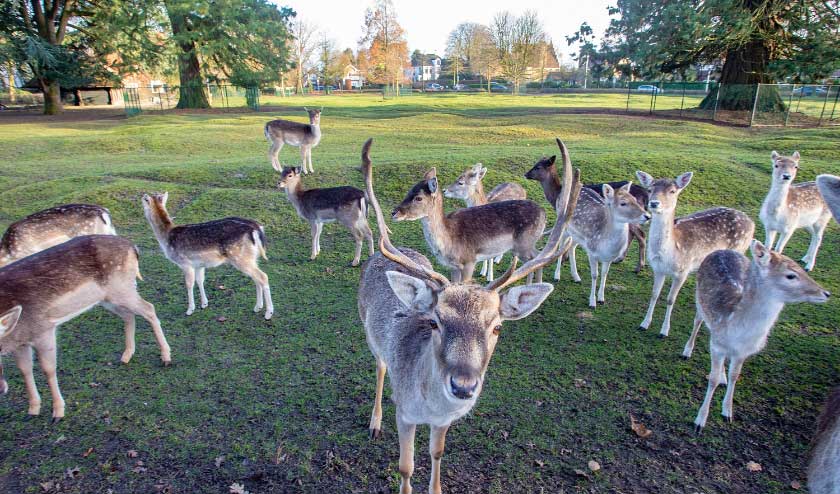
{"x":283,"y":406}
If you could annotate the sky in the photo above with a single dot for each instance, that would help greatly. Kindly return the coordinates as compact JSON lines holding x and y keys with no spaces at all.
{"x":427,"y":23}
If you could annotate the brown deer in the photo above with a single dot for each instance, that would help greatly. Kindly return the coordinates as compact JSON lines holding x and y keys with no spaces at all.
{"x":460,"y":239}
{"x":740,"y":300}
{"x":470,"y":189}
{"x":677,"y":246}
{"x":789,"y":207}
{"x":193,"y":248}
{"x":44,"y":290}
{"x":305,"y":136}
{"x":53,"y":226}
{"x":545,"y":172}
{"x":829,"y":186}
{"x":824,"y":470}
{"x":435,"y":337}
{"x":347,"y":205}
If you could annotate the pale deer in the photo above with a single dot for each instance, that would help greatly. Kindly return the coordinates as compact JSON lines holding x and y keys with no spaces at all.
{"x":193,"y":248}
{"x":40,"y":292}
{"x":740,"y":300}
{"x":545,"y":172}
{"x":677,"y":246}
{"x":460,"y":239}
{"x":347,"y":205}
{"x":305,"y":136}
{"x":824,"y":469}
{"x":829,"y":186}
{"x":789,"y":207}
{"x":53,"y":226}
{"x":434,"y":337}
{"x":470,"y":189}
{"x":601,"y":225}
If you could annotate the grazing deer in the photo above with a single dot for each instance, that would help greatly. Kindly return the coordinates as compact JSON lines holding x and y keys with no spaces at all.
{"x":740,"y":300}
{"x":53,"y":226}
{"x":470,"y":189}
{"x":545,"y":172}
{"x":435,"y":337}
{"x":44,"y":290}
{"x":193,"y":248}
{"x":601,"y":226}
{"x":824,"y":470}
{"x":305,"y":136}
{"x":466,"y":236}
{"x":676,"y":248}
{"x":829,"y":186}
{"x":346,"y":205}
{"x":789,"y":207}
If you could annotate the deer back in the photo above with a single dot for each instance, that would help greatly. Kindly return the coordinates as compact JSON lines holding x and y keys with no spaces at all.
{"x":507,"y":191}
{"x":218,"y":235}
{"x":824,"y":469}
{"x":698,"y":234}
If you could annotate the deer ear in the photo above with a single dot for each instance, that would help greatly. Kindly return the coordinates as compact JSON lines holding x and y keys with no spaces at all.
{"x":607,"y":191}
{"x":412,"y":292}
{"x":164,"y":197}
{"x":432,"y":183}
{"x":481,"y":171}
{"x":9,"y":319}
{"x":146,"y":198}
{"x":430,"y":174}
{"x":626,"y":187}
{"x":795,"y":155}
{"x":552,"y":159}
{"x":645,"y":179}
{"x":684,"y":179}
{"x":760,"y":253}
{"x":520,"y":301}
{"x":774,"y":155}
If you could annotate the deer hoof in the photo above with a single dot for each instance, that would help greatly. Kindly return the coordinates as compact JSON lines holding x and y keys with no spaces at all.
{"x":29,"y":417}
{"x":167,"y":363}
{"x":698,"y":428}
{"x":4,"y":387}
{"x":190,"y":312}
{"x":729,"y":418}
{"x":55,"y":420}
{"x":268,"y":315}
{"x":375,"y":434}
{"x":661,"y":336}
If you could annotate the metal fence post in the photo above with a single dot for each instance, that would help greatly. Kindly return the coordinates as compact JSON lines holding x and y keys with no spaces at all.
{"x":682,"y":102}
{"x":627,"y":110}
{"x":790,"y":102}
{"x":755,"y":103}
{"x":825,"y":102}
{"x":834,"y":107}
{"x":717,"y":99}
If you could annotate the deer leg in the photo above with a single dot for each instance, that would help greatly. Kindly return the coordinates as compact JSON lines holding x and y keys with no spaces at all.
{"x":303,"y":159}
{"x":484,"y":268}
{"x":130,"y":326}
{"x":639,"y":234}
{"x":732,"y":379}
{"x":593,"y":273}
{"x":4,"y":386}
{"x":134,"y":302}
{"x":23,"y":357}
{"x":250,"y":269}
{"x":784,"y":237}
{"x":316,"y":232}
{"x":658,"y":282}
{"x":467,"y":270}
{"x":406,"y":433}
{"x":769,"y":238}
{"x":199,"y":277}
{"x":810,"y":258}
{"x":189,"y":280}
{"x":558,"y":268}
{"x":676,"y":286}
{"x":689,"y":345}
{"x":490,"y":275}
{"x":437,"y":443}
{"x":273,"y":152}
{"x":605,"y":268}
{"x":47,"y":360}
{"x":714,"y":379}
{"x":359,"y":237}
{"x":309,"y":159}
{"x":376,"y":416}
{"x":573,"y":263}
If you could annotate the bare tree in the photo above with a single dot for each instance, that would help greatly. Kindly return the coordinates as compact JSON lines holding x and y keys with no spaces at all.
{"x":387,"y":50}
{"x":516,"y":40}
{"x":460,"y":48}
{"x":304,"y":45}
{"x":483,"y":59}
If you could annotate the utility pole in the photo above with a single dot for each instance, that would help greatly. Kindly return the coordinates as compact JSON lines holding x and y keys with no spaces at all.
{"x":586,"y":71}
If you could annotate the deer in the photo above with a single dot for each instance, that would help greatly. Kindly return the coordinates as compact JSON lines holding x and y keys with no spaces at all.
{"x":461,"y":238}
{"x":434,"y":337}
{"x":739,"y":301}
{"x":829,"y":187}
{"x":194,"y":248}
{"x":824,"y":468}
{"x":470,"y":189}
{"x":544,"y":171}
{"x":53,"y":226}
{"x":601,"y":225}
{"x":347,"y":205}
{"x":789,"y":207}
{"x":305,"y":136}
{"x":677,"y":246}
{"x":40,"y":292}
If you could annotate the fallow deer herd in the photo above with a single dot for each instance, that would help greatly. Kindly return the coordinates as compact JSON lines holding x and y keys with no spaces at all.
{"x":434,"y":336}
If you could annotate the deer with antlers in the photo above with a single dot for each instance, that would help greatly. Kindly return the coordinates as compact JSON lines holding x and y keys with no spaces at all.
{"x":53,"y":226}
{"x":435,"y":337}
{"x":470,"y":189}
{"x":305,"y":136}
{"x":677,"y":246}
{"x":824,"y":469}
{"x":40,"y":292}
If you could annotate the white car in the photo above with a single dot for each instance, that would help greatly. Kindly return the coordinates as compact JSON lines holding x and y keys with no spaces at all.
{"x":647,"y":88}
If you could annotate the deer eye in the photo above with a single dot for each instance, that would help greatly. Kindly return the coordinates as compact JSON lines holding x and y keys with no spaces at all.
{"x":791,"y":276}
{"x":418,"y":199}
{"x":775,"y":166}
{"x":623,"y":204}
{"x":497,"y":329}
{"x":433,"y":325}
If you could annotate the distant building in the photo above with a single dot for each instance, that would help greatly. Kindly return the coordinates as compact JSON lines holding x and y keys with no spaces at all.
{"x":352,"y":78}
{"x":421,"y":73}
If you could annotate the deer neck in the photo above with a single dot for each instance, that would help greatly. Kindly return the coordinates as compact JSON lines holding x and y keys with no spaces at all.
{"x":477,"y":196}
{"x":777,"y":198}
{"x":551,"y":188}
{"x":161,"y":224}
{"x":760,"y":305}
{"x":295,"y":195}
{"x":662,"y":240}
{"x":316,"y":129}
{"x":436,"y":231}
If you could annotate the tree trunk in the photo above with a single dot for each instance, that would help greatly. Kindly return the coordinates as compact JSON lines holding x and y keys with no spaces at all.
{"x":11,"y":72}
{"x":745,"y":67}
{"x":191,"y":90}
{"x":52,"y":98}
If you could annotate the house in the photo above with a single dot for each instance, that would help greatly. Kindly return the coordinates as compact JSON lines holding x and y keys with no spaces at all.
{"x":430,"y":72}
{"x":352,"y":78}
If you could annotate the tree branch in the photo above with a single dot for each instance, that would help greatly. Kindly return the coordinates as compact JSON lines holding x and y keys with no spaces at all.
{"x":65,"y":18}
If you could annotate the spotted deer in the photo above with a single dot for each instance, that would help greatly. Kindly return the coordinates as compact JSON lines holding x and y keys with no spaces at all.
{"x":677,"y":246}
{"x":40,"y":292}
{"x":53,"y":226}
{"x":434,"y":337}
{"x":740,"y":300}
{"x":347,"y":205}
{"x":470,"y":189}
{"x":824,"y":469}
{"x":789,"y":207}
{"x":601,"y":225}
{"x":829,"y":187}
{"x":545,"y":172}
{"x":305,"y":136}
{"x":193,"y":248}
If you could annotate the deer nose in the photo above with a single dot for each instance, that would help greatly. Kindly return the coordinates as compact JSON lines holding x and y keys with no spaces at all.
{"x":648,"y":216}
{"x":826,"y":293}
{"x":463,"y":387}
{"x":785,"y":176}
{"x":653,"y":204}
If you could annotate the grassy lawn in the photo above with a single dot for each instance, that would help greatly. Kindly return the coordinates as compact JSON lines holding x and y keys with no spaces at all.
{"x":283,"y":406}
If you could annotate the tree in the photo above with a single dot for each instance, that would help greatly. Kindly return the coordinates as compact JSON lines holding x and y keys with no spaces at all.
{"x":460,"y":48}
{"x":387,"y":50}
{"x":516,"y":40}
{"x":305,"y":44}
{"x":483,"y":60}
{"x":330,"y":63}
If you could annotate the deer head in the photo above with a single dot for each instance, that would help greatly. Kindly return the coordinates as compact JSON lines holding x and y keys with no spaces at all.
{"x":289,"y":178}
{"x":663,"y":192}
{"x":466,"y":183}
{"x":623,"y":205}
{"x":784,"y":277}
{"x":543,"y":169}
{"x":421,"y":200}
{"x":784,"y":167}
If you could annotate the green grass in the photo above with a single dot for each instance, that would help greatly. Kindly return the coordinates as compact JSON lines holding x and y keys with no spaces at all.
{"x":287,"y":402}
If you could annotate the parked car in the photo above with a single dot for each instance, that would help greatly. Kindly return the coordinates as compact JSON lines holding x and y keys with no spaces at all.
{"x":809,"y":90}
{"x":434,"y":87}
{"x":648,"y":88}
{"x":495,"y":86}
{"x":460,"y":87}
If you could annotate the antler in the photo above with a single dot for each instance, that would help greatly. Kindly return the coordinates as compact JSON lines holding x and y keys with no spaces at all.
{"x":385,"y":246}
{"x":565,"y":207}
